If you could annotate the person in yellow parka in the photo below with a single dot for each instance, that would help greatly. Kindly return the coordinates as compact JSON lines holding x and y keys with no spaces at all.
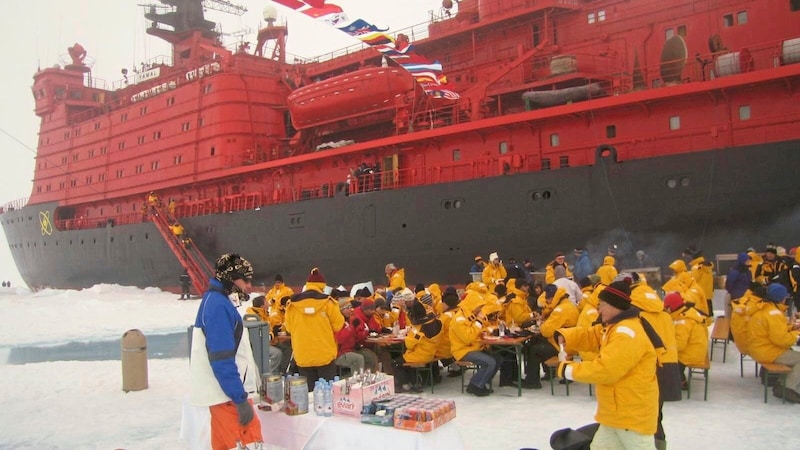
{"x":607,"y":272}
{"x":691,"y":333}
{"x":694,"y":296}
{"x":259,"y":309}
{"x":588,"y":285}
{"x":312,"y":317}
{"x":518,"y":312}
{"x":771,"y":338}
{"x":421,"y":342}
{"x":396,"y":278}
{"x":277,"y":291}
{"x":436,"y":293}
{"x":756,"y":261}
{"x":563,"y":314}
{"x":466,"y":344}
{"x":624,"y":371}
{"x":494,"y":273}
{"x":450,"y":303}
{"x":668,"y":371}
{"x":673,"y":285}
{"x":557,"y":268}
{"x":742,"y":310}
{"x":703,"y":272}
{"x":589,"y":315}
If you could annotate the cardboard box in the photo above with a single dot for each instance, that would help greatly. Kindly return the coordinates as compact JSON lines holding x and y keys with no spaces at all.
{"x":424,"y":426}
{"x":424,"y":414}
{"x":351,"y":404}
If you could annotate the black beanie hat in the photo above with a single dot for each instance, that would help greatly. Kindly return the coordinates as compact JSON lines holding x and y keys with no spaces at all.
{"x":500,"y":290}
{"x":617,"y":294}
{"x":278,"y":278}
{"x":419,"y":288}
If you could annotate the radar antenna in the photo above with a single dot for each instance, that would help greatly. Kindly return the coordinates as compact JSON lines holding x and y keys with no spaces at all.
{"x":224,"y":6}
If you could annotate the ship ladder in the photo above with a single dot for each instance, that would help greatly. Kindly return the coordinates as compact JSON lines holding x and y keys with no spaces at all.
{"x":190,"y":257}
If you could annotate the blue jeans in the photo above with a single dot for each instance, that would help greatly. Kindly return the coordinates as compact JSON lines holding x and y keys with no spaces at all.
{"x":488,"y":365}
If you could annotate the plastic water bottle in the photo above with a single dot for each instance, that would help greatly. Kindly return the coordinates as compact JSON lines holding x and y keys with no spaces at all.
{"x":319,"y":408}
{"x":562,"y":355}
{"x":327,"y":398}
{"x":502,"y":327}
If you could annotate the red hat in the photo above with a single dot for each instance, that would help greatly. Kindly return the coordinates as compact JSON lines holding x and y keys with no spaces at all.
{"x":673,"y":301}
{"x":315,"y":277}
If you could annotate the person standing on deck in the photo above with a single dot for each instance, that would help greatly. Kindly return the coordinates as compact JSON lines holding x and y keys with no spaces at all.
{"x":186,"y":281}
{"x":396,"y":278}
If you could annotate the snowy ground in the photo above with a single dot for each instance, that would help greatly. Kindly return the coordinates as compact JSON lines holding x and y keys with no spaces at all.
{"x":80,"y":404}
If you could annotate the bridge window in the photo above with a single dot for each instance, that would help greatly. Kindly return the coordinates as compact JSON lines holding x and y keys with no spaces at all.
{"x":741,"y":17}
{"x":457,"y":155}
{"x":611,"y":131}
{"x":744,"y":112}
{"x":123,"y":117}
{"x":727,"y":20}
{"x":545,"y":163}
{"x":503,"y":147}
{"x":675,"y":123}
{"x":213,"y":151}
{"x":555,"y":141}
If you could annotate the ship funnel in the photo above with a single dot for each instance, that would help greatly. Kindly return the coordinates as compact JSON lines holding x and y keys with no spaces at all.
{"x":673,"y":59}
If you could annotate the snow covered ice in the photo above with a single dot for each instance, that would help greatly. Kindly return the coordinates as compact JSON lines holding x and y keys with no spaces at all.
{"x":81,"y":405}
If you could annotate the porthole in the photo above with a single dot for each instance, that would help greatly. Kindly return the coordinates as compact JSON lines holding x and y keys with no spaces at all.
{"x":685,"y":181}
{"x":457,"y":204}
{"x":447,"y":204}
{"x":672,"y":183}
{"x":537,"y":196}
{"x":546,"y":195}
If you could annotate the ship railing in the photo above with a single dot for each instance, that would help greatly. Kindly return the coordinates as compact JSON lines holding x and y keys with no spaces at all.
{"x":144,"y":66}
{"x":14,"y":205}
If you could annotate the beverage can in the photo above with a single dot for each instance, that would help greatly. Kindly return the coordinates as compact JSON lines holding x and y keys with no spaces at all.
{"x":272,"y":389}
{"x":298,"y":396}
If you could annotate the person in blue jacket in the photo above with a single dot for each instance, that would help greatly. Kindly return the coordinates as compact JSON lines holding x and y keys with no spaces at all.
{"x":583,"y":266}
{"x":223,"y":370}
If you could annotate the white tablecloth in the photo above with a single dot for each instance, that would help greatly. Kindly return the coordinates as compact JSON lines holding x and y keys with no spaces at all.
{"x":309,"y":431}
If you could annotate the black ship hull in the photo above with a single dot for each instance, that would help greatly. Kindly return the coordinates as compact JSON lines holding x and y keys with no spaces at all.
{"x":723,"y":201}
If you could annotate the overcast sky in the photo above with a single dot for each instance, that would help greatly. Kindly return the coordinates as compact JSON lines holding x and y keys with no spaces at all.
{"x":38,"y":33}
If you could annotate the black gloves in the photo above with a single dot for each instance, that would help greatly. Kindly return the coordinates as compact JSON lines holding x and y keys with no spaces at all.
{"x":526,"y":324}
{"x":385,"y":330}
{"x":245,"y":410}
{"x":495,"y":332}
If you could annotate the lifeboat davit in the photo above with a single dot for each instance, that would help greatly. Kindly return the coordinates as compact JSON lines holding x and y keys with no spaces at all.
{"x":353,"y":94}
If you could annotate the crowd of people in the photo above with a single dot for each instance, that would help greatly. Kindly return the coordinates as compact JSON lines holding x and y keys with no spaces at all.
{"x":631,"y":340}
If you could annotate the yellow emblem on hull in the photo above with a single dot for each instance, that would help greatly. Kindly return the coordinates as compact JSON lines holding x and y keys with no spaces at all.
{"x":45,"y":223}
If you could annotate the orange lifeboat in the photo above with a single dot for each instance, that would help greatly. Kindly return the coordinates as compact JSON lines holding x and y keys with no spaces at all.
{"x":353,"y":94}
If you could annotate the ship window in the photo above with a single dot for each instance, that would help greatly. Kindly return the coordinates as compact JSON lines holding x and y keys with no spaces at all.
{"x":62,"y":185}
{"x":143,"y":110}
{"x":121,"y":145}
{"x":66,"y":135}
{"x":177,"y":160}
{"x":89,"y":179}
{"x":185,"y":126}
{"x":545,"y":163}
{"x":727,"y":20}
{"x":207,"y":89}
{"x":170,"y":101}
{"x":213,"y":151}
{"x":75,"y":157}
{"x":49,"y":187}
{"x":123,"y":117}
{"x":503,"y":147}
{"x":119,"y":173}
{"x":140,"y":140}
{"x":63,"y":160}
{"x":554,"y":140}
{"x":591,"y":17}
{"x":101,"y":177}
{"x":156,"y":135}
{"x":741,"y":17}
{"x":536,"y":37}
{"x":682,"y":30}
{"x":611,"y":131}
{"x":139,"y":168}
{"x":39,"y":189}
{"x":200,"y":122}
{"x":744,"y":112}
{"x":154,"y":165}
{"x":103,"y":150}
{"x":97,"y":125}
{"x":563,"y":161}
{"x":601,"y":15}
{"x":73,"y":183}
{"x":675,"y":123}
{"x":77,"y":132}
{"x":668,"y":33}
{"x":91,"y":153}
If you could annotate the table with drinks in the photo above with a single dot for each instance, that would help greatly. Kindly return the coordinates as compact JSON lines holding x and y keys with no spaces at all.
{"x":509,"y":344}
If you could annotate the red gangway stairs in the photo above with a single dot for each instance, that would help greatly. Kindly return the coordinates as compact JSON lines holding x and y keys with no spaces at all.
{"x":190,"y":257}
